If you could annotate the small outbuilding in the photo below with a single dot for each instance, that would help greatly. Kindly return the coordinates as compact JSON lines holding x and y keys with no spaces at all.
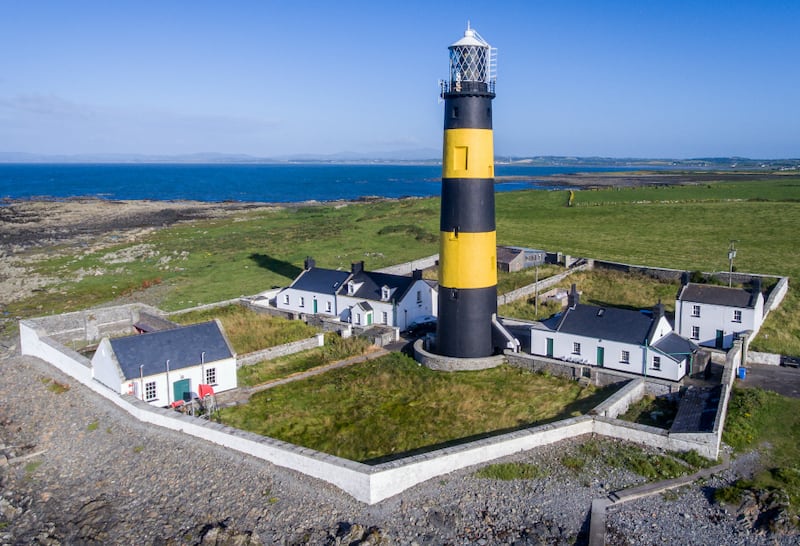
{"x":167,"y":366}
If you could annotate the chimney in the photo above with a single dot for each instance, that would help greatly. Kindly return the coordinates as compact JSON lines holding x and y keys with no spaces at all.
{"x":357,"y":267}
{"x":755,"y":282}
{"x":416,"y":275}
{"x":573,"y":298}
{"x":309,"y":263}
{"x":658,"y":310}
{"x":684,"y":278}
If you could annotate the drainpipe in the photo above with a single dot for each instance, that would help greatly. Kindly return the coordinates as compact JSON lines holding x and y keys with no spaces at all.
{"x":202,"y":367}
{"x":168,"y":397}
{"x":141,"y":381}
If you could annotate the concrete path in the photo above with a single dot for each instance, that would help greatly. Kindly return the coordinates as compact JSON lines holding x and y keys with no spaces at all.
{"x":597,"y":522}
{"x":242,"y":394}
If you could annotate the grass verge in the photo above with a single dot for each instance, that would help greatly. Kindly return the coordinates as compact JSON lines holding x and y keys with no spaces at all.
{"x":769,"y":422}
{"x":249,"y":331}
{"x":335,"y":349}
{"x":392,"y":405}
{"x":511,"y":471}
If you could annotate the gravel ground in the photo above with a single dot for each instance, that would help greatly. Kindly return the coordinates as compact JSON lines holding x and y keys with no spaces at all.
{"x":104,"y":478}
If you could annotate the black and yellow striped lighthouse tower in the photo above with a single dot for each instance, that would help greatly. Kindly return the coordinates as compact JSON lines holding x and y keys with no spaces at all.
{"x":467,"y":247}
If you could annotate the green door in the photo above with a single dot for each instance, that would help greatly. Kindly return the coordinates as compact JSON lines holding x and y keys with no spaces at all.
{"x":315,"y":306}
{"x":369,"y":319}
{"x":550,"y":347}
{"x":720,"y":339}
{"x":601,"y":356}
{"x":182,"y":390}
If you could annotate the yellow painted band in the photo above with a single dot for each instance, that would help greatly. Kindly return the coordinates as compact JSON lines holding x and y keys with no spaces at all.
{"x":467,"y":260}
{"x":468,"y":153}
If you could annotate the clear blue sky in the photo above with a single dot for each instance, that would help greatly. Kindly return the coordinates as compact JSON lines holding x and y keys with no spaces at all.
{"x":634,"y":78}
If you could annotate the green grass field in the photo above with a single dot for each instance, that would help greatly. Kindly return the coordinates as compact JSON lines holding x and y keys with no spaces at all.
{"x":392,"y":405}
{"x":685,"y":227}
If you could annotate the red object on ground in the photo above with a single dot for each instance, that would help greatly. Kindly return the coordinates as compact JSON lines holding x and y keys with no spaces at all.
{"x":177,"y":403}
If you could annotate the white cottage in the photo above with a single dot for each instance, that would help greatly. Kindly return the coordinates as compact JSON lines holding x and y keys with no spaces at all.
{"x":360,"y":297}
{"x":713,"y":316}
{"x":640,"y":342}
{"x":167,"y":366}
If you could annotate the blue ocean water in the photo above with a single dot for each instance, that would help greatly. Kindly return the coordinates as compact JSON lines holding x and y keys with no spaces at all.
{"x":278,"y":183}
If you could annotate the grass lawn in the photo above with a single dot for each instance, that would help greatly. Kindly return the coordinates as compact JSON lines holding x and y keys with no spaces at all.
{"x":769,"y":422}
{"x":654,"y":411}
{"x":682,"y":227}
{"x":249,"y":331}
{"x":335,"y":349}
{"x":392,"y":405}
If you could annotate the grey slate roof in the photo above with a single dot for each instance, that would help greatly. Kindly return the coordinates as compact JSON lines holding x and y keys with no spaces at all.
{"x":507,"y":254}
{"x":372,"y":282}
{"x":717,"y":295}
{"x":320,"y":280}
{"x":153,"y":323}
{"x":182,"y":346}
{"x":675,"y":345}
{"x":607,"y":323}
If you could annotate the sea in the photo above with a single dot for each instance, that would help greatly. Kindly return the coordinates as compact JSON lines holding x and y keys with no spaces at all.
{"x":271,"y":183}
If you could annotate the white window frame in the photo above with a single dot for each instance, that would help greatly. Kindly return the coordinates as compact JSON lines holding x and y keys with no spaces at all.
{"x":695,"y":310}
{"x":576,"y":348}
{"x":625,"y":357}
{"x":328,"y":306}
{"x":419,"y":296}
{"x":286,"y":299}
{"x":211,"y":376}
{"x":302,"y":301}
{"x":657,"y":363}
{"x":150,"y":391}
{"x":385,"y":317}
{"x":737,"y":315}
{"x":695,"y":332}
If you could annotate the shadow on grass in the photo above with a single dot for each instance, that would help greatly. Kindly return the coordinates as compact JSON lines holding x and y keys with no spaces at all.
{"x":280,"y":267}
{"x":582,"y":406}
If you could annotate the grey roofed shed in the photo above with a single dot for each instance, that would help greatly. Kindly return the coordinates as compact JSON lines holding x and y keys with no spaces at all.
{"x":182,"y":346}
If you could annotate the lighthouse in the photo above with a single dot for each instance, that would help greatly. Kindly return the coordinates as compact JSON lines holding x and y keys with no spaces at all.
{"x":467,"y":239}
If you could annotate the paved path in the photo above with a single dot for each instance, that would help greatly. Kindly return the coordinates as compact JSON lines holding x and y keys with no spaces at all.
{"x":241,"y":395}
{"x":597,"y":523}
{"x":780,"y":379}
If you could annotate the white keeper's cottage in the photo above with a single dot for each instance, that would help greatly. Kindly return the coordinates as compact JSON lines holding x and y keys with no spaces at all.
{"x":713,"y":316}
{"x":167,"y":366}
{"x":360,"y":297}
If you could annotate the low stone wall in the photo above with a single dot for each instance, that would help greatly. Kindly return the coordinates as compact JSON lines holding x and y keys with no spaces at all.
{"x":369,"y":484}
{"x":539,"y":287}
{"x":280,"y":350}
{"x":600,"y":377}
{"x":408,"y":267}
{"x":207,"y":306}
{"x":619,"y":402}
{"x":452,"y":364}
{"x":93,"y":324}
{"x":768,"y":359}
{"x":776,"y":295}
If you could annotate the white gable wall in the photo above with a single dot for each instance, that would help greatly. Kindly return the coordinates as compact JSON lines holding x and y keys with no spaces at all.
{"x":716,"y":317}
{"x":105,"y":368}
{"x":412,"y":307}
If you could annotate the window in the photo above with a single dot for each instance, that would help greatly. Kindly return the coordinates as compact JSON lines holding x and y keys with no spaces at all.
{"x":385,"y":317}
{"x":351,"y":288}
{"x":385,"y":293}
{"x":302,"y":301}
{"x":327,"y":307}
{"x":358,"y":318}
{"x":576,"y":348}
{"x":211,"y":376}
{"x":419,"y":296}
{"x":150,"y":391}
{"x":286,"y":298}
{"x":656,"y":362}
{"x":695,"y":332}
{"x":625,"y":358}
{"x":695,"y":310}
{"x":737,"y":316}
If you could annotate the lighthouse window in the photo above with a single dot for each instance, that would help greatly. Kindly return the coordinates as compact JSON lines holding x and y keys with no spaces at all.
{"x":455,"y":111}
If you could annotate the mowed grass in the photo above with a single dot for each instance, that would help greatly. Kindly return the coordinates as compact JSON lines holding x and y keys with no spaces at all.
{"x":769,"y":422}
{"x":683,"y":227}
{"x":247,"y":330}
{"x":392,"y":405}
{"x":335,"y":349}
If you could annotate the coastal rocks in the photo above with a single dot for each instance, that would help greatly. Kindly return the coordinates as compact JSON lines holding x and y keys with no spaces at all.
{"x":766,"y":511}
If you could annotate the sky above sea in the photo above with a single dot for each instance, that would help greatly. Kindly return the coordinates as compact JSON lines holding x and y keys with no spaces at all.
{"x":258,"y":183}
{"x":618,"y":78}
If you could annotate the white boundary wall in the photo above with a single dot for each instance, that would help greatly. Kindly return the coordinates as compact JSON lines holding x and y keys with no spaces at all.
{"x":292,"y":347}
{"x":369,"y":484}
